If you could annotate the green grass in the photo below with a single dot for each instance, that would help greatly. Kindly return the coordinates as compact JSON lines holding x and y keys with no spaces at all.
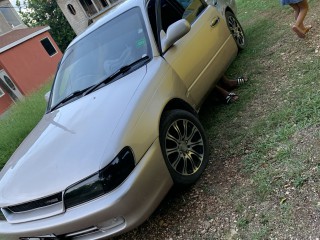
{"x":21,"y":118}
{"x":274,"y":109}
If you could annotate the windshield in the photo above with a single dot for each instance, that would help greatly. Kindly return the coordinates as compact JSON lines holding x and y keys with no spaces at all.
{"x":95,"y":57}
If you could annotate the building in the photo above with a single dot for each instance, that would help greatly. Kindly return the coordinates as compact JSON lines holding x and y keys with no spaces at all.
{"x":28,"y":57}
{"x":9,"y":18}
{"x":81,"y":13}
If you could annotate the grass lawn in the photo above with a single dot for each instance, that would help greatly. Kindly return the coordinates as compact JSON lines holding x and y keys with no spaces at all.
{"x":19,"y":121}
{"x":265,"y":148}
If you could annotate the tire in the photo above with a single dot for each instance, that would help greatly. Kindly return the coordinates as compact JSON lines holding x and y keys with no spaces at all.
{"x":236,"y":30}
{"x":184,"y":146}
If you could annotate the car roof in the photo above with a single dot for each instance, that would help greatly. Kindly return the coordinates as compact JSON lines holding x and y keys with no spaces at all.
{"x":116,"y":10}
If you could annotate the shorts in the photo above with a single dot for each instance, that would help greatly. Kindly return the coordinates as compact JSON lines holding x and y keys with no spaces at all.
{"x":287,"y":2}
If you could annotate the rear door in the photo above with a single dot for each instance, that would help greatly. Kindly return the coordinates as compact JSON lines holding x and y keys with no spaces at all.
{"x":203,"y":55}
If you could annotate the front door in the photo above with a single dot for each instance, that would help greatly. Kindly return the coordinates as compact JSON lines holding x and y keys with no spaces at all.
{"x":201,"y":57}
{"x":8,"y":86}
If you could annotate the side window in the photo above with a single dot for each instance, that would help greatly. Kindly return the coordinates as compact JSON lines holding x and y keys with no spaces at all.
{"x":192,"y":9}
{"x":171,"y":11}
{"x":174,"y":10}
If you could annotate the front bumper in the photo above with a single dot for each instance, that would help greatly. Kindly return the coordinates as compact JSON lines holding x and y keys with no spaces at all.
{"x":116,"y":212}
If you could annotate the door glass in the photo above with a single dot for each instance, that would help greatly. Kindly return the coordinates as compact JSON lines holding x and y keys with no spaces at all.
{"x":192,"y":9}
{"x":174,"y":10}
{"x":171,"y":11}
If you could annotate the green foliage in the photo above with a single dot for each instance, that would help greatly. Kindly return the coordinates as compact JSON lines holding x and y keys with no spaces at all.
{"x":47,"y":12}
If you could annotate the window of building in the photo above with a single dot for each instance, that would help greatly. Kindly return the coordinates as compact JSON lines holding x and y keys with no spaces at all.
{"x":1,"y":93}
{"x":93,"y":7}
{"x":9,"y":83}
{"x":10,"y":17}
{"x":71,"y":9}
{"x":48,"y":46}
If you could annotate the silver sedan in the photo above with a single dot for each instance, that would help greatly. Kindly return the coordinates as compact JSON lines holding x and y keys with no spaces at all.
{"x":121,"y":126}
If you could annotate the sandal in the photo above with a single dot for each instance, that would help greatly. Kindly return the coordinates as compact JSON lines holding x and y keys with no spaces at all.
{"x":232,"y":97}
{"x":241,"y":80}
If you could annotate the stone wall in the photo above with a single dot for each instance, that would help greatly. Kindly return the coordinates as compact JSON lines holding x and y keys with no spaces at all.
{"x":78,"y":19}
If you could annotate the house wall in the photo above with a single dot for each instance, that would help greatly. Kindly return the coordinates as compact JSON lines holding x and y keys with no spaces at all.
{"x":79,"y":22}
{"x":29,"y":65}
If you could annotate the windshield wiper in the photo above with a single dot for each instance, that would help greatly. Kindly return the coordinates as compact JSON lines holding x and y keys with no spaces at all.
{"x":117,"y":73}
{"x":68,"y":98}
{"x":88,"y":90}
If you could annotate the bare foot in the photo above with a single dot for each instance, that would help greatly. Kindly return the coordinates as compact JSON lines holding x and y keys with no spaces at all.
{"x":298,"y":31}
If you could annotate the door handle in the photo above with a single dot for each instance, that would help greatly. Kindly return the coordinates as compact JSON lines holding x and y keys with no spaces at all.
{"x":215,"y":21}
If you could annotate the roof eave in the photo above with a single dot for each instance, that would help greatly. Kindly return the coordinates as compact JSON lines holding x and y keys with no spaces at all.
{"x":24,"y":39}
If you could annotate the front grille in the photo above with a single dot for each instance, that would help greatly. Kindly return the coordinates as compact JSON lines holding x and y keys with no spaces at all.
{"x":44,"y":202}
{"x":34,"y":210}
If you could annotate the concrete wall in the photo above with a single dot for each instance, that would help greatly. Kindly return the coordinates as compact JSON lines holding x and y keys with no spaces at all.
{"x":79,"y":22}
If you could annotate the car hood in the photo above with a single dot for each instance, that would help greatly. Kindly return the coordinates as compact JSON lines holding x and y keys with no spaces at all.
{"x":68,"y":144}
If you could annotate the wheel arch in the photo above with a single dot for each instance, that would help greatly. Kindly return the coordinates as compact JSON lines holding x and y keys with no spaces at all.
{"x":177,"y":103}
{"x":177,"y":119}
{"x":228,"y":9}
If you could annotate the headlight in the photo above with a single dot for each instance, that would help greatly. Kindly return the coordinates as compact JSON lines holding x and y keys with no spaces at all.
{"x":101,"y":182}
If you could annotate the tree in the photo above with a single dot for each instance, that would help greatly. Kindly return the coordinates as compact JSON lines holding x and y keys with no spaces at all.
{"x":47,"y":12}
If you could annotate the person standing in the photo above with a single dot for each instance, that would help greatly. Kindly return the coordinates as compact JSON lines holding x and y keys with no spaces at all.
{"x":300,"y":8}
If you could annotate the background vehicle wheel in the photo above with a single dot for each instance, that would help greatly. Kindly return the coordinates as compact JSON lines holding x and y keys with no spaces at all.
{"x":184,"y":146}
{"x":236,"y":30}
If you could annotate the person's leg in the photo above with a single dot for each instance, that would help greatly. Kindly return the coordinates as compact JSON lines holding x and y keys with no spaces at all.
{"x":226,"y":96}
{"x":304,"y":7}
{"x":296,"y":10}
{"x":230,"y":84}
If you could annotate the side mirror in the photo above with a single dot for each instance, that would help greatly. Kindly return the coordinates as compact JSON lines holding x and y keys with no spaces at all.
{"x":174,"y":32}
{"x":47,"y":96}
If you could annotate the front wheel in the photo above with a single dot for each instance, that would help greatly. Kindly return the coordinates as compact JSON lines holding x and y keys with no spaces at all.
{"x":184,"y":146}
{"x":236,"y":30}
